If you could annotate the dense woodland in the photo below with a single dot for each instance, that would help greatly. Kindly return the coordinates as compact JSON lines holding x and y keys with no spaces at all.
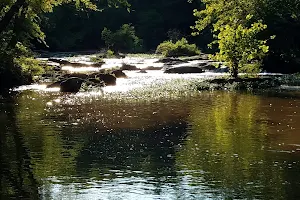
{"x":243,"y":33}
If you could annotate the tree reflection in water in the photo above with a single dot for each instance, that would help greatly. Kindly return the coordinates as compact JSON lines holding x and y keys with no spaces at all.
{"x":215,"y":145}
{"x":227,"y":144}
{"x":17,"y":179}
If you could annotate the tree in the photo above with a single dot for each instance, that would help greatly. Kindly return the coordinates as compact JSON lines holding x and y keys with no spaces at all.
{"x":280,"y":16}
{"x":19,"y":26}
{"x":239,"y":46}
{"x":237,"y":36}
{"x":124,"y":39}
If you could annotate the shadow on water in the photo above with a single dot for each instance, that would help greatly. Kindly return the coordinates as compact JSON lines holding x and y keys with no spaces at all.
{"x":17,"y":179}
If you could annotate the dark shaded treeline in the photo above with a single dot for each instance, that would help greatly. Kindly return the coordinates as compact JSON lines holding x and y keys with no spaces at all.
{"x":69,"y":30}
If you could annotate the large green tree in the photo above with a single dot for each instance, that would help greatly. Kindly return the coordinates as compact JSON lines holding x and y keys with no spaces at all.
{"x":281,"y":18}
{"x":236,"y":29}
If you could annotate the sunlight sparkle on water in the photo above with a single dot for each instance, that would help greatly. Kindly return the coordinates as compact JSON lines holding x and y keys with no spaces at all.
{"x":80,"y":69}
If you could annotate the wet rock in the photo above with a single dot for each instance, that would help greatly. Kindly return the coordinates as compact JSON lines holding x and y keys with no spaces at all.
{"x":153,"y":68}
{"x":119,"y":74}
{"x":59,"y":61}
{"x":183,"y":70}
{"x":222,"y":69}
{"x":72,"y":84}
{"x":128,"y":67}
{"x":77,"y":75}
{"x":74,"y":64}
{"x":142,"y":71}
{"x":57,"y":68}
{"x":197,"y":57}
{"x":171,"y":61}
{"x":120,"y":55}
{"x":95,"y":82}
{"x":55,"y":84}
{"x":108,"y":79}
{"x":208,"y":67}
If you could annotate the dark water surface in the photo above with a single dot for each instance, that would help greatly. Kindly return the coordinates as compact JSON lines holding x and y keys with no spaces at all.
{"x":216,"y":145}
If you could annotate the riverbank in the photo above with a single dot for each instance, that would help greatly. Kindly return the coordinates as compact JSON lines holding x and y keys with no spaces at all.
{"x":80,"y":73}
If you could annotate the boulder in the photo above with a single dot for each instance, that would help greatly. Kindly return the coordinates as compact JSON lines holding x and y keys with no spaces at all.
{"x":108,"y":79}
{"x":59,"y":61}
{"x":128,"y":67}
{"x":171,"y":61}
{"x":72,"y":84}
{"x":142,"y":71}
{"x":119,"y":74}
{"x":222,"y":69}
{"x":55,"y":84}
{"x":77,"y":75}
{"x":153,"y":68}
{"x":183,"y":70}
{"x":95,"y":82}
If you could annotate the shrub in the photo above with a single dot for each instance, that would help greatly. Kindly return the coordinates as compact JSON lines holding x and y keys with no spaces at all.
{"x":180,"y":48}
{"x":29,"y":66}
{"x":124,"y":39}
{"x":110,"y":53}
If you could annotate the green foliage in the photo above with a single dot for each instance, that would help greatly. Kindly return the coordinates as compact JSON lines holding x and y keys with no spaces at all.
{"x":280,"y":16}
{"x":107,"y":37}
{"x":239,"y":46}
{"x":30,"y":66}
{"x":237,"y":37}
{"x":180,"y":48}
{"x":110,"y":53}
{"x":96,"y":59}
{"x":124,"y":39}
{"x":19,"y":27}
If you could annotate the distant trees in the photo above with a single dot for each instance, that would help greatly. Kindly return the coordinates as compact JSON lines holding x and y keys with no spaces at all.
{"x":124,"y":39}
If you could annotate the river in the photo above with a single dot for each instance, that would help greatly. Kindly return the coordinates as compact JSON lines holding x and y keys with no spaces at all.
{"x":150,"y":137}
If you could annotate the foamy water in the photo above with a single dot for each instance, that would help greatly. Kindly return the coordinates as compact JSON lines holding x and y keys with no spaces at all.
{"x":135,"y":79}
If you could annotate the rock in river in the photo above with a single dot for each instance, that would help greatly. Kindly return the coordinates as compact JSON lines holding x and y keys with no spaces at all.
{"x":183,"y":70}
{"x":108,"y":79}
{"x":72,"y":84}
{"x":119,"y":74}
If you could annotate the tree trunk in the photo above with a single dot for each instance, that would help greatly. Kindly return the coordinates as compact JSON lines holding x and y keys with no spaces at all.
{"x":234,"y":70}
{"x":4,"y":22}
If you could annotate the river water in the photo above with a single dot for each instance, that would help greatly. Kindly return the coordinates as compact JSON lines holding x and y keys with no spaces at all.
{"x":150,"y":137}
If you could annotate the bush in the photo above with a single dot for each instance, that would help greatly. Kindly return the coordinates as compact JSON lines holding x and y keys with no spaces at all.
{"x":124,"y":39}
{"x":110,"y":53}
{"x":30,"y":66}
{"x":180,"y":48}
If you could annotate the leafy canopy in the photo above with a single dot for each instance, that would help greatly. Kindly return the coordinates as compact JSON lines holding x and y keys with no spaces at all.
{"x":237,"y":36}
{"x":239,"y":45}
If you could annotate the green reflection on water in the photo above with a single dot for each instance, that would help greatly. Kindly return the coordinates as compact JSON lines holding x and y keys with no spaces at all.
{"x":227,"y":144}
{"x":17,"y":179}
